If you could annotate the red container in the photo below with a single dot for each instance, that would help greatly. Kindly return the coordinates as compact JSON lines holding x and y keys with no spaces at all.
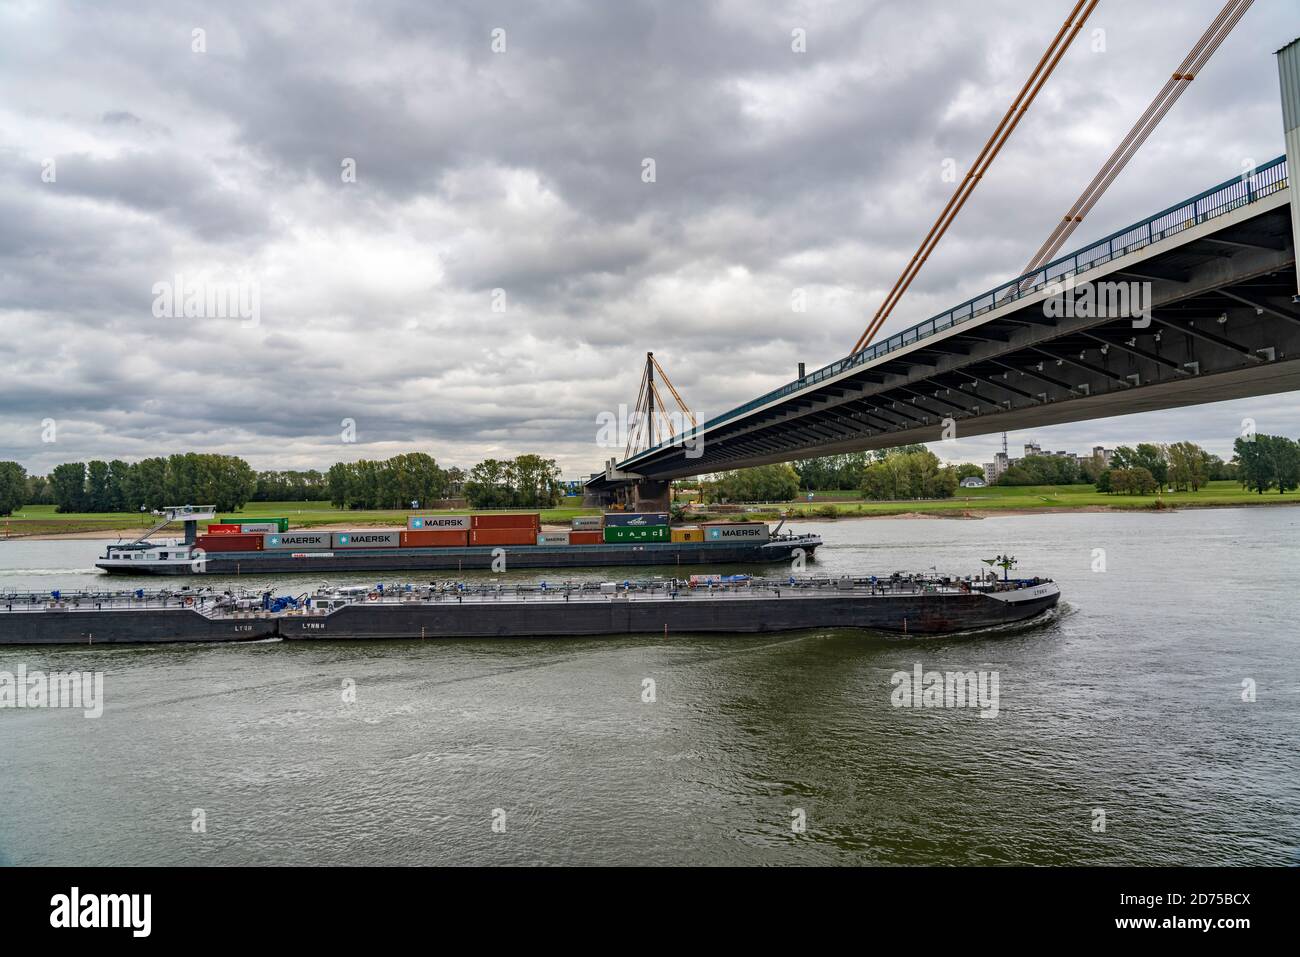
{"x":503,"y":536}
{"x":226,"y":542}
{"x":532,"y":522}
{"x":586,"y":538}
{"x":435,"y":539}
{"x":215,"y":529}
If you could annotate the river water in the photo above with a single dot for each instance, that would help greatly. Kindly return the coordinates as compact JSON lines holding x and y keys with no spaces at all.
{"x":1126,"y":702}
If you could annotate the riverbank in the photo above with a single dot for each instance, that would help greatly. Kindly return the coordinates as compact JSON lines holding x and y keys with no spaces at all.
{"x":965,"y":509}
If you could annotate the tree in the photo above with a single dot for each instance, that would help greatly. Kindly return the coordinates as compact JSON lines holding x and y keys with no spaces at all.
{"x":969,"y":470}
{"x":13,"y":487}
{"x":1132,"y":481}
{"x":1265,"y":461}
{"x":909,"y":475}
{"x":97,"y":498}
{"x":488,"y":485}
{"x":1103,"y":482}
{"x":68,"y":486}
{"x":762,"y":483}
{"x":1145,"y":456}
{"x":1189,"y":466}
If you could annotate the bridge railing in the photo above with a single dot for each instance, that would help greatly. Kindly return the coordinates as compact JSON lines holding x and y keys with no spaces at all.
{"x":1216,"y":201}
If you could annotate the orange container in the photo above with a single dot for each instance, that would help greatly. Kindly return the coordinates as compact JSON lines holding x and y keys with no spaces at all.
{"x":517,"y":520}
{"x":215,"y":529}
{"x":229,"y":543}
{"x":503,"y":536}
{"x":441,"y":538}
{"x":586,"y":538}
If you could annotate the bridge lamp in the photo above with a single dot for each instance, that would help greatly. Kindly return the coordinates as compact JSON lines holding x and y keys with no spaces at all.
{"x":1105,"y":349}
{"x":1223,"y":318}
{"x":1158,"y":331}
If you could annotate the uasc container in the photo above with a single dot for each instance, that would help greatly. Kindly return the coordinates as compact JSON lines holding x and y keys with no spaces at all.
{"x":622,"y":533}
{"x":425,"y":538}
{"x":635,"y":519}
{"x":438,"y":523}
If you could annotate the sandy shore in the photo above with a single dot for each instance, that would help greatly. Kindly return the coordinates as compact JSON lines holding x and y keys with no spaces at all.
{"x":968,"y":514}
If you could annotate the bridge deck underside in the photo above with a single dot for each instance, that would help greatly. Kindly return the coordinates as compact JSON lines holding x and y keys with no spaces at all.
{"x":1223,"y":326}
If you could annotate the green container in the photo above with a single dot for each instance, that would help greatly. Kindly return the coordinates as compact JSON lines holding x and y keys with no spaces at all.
{"x":646,"y":533}
{"x":281,"y":523}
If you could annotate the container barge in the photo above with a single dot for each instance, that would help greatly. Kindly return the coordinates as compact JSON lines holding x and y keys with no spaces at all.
{"x":700,"y":605}
{"x":490,"y":542}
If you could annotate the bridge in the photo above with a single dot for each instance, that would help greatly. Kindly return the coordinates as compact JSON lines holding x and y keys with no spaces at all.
{"x":1214,"y":277}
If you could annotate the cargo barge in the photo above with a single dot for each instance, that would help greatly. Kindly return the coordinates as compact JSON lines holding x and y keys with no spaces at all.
{"x":491,"y":542}
{"x":701,"y":605}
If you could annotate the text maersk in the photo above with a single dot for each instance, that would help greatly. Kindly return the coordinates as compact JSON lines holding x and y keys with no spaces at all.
{"x":746,"y":532}
{"x":439,"y":523}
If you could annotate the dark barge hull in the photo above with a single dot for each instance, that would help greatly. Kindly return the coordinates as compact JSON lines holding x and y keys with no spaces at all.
{"x":698,"y":613}
{"x":915,"y":614}
{"x":125,"y":626}
{"x":675,"y":554}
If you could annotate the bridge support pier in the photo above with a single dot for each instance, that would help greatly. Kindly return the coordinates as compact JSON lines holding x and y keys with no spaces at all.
{"x":1288,"y":68}
{"x":650,"y":495}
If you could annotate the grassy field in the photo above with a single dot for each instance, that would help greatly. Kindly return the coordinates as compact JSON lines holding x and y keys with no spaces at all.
{"x":42,"y":519}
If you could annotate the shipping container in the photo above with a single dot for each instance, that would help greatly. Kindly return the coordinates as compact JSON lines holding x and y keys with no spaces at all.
{"x":635,"y":519}
{"x":438,"y":523}
{"x":297,"y":540}
{"x":552,"y":538}
{"x":227,"y":542}
{"x":367,"y":538}
{"x":737,"y":532}
{"x":281,"y":524}
{"x":502,"y":536}
{"x":653,"y":533}
{"x":688,"y":533}
{"x":513,"y":520}
{"x":258,"y":528}
{"x":424,"y":538}
{"x":588,"y":523}
{"x":578,"y":537}
{"x":215,"y":529}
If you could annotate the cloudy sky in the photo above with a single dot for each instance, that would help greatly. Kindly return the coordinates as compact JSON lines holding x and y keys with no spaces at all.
{"x":134,"y":149}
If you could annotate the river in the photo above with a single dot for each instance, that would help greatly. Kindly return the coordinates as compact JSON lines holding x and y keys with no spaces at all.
{"x":1124,"y":707}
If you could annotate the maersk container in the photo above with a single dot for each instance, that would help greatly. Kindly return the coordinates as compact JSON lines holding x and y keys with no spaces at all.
{"x":281,"y":524}
{"x":258,"y":528}
{"x":587,"y":523}
{"x":296,"y":540}
{"x":438,"y":523}
{"x":363,"y":538}
{"x":553,"y":538}
{"x":636,"y":533}
{"x":635,"y":519}
{"x":738,"y":532}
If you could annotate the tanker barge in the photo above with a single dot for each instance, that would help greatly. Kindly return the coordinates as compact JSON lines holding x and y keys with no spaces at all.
{"x":701,"y":605}
{"x":491,"y":542}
